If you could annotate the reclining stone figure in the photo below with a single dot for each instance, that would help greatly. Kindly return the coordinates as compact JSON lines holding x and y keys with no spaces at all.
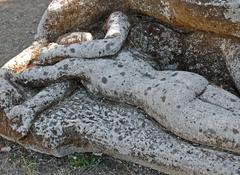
{"x":219,"y":17}
{"x":182,"y":102}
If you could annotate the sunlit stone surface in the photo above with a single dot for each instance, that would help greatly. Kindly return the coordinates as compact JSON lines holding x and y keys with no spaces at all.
{"x":82,"y":103}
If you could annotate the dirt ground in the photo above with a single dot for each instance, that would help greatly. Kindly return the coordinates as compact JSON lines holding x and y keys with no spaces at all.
{"x":18,"y":23}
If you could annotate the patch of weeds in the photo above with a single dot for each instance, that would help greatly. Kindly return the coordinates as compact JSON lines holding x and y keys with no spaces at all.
{"x":27,"y":163}
{"x":84,"y":161}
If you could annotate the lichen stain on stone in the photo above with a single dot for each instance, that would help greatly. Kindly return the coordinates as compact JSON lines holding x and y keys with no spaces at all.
{"x":182,"y":102}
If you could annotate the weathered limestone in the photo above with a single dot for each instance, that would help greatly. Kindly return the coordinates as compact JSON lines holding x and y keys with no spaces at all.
{"x":218,"y":16}
{"x":171,"y":98}
{"x":47,"y":118}
{"x":199,"y":52}
{"x":117,"y":31}
{"x":232,"y":54}
{"x":63,"y":15}
{"x":21,"y":116}
{"x":9,"y":95}
{"x":82,"y":123}
{"x":23,"y":60}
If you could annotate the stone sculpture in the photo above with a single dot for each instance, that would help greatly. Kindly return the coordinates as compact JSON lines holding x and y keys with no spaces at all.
{"x":43,"y":105}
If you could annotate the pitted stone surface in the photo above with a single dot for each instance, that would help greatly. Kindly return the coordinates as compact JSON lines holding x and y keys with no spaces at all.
{"x":22,"y":116}
{"x":231,"y":51}
{"x":173,"y":98}
{"x":203,"y":53}
{"x":9,"y":95}
{"x":183,"y":102}
{"x":201,"y":15}
{"x":117,"y":31}
{"x":218,"y":16}
{"x":158,"y":41}
{"x":123,"y":132}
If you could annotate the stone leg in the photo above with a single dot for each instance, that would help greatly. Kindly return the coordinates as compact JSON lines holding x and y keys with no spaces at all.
{"x":175,"y":99}
{"x":82,"y":123}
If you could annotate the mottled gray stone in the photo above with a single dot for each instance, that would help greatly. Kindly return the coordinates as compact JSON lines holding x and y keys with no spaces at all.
{"x":117,"y":31}
{"x":231,"y":51}
{"x":173,"y":98}
{"x":173,"y":49}
{"x":124,"y":132}
{"x":184,"y":103}
{"x":22,"y":116}
{"x":9,"y":95}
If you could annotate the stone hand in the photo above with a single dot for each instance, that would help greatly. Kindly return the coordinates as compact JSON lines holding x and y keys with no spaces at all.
{"x":182,"y":102}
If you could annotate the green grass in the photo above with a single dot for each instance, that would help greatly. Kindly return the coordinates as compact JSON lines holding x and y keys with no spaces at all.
{"x":29,"y":164}
{"x":84,"y":161}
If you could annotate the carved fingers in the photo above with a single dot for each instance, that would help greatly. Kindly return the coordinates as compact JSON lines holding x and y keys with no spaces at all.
{"x":9,"y":95}
{"x":75,"y":37}
{"x":178,"y":100}
{"x":21,"y":116}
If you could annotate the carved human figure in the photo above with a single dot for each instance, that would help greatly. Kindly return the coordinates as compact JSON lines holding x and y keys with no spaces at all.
{"x":219,"y":17}
{"x":182,"y":102}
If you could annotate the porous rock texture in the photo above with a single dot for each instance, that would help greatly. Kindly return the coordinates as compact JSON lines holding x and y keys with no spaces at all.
{"x":218,"y":16}
{"x":82,"y":123}
{"x":201,"y":52}
{"x":64,"y":118}
{"x":117,"y":31}
{"x":173,"y":98}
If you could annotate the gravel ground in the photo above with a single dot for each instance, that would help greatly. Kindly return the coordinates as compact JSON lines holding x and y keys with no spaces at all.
{"x":18,"y":23}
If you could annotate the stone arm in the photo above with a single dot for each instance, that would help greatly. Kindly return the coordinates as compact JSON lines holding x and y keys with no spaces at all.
{"x":21,"y":116}
{"x":182,"y":102}
{"x":117,"y":31}
{"x":21,"y":104}
{"x":60,"y":17}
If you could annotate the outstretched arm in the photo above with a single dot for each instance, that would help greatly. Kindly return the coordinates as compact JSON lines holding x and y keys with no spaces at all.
{"x":117,"y":31}
{"x":21,"y":116}
{"x":60,"y":16}
{"x":182,"y":102}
